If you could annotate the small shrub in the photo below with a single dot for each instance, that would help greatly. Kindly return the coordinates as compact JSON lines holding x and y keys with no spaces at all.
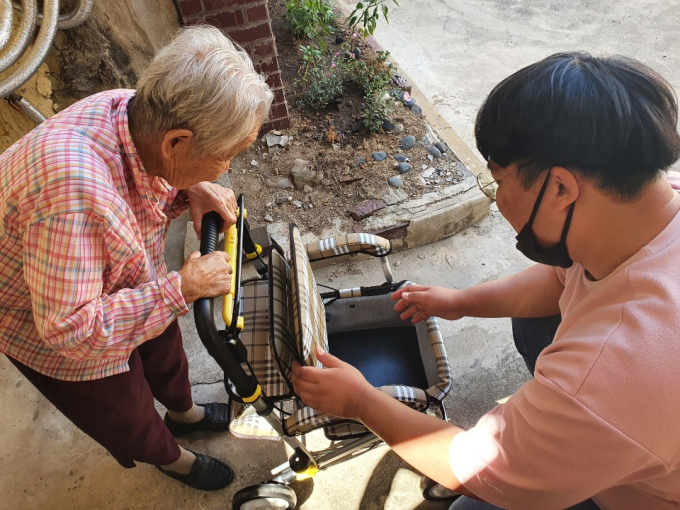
{"x":365,"y":15}
{"x":321,"y":82}
{"x":311,"y":19}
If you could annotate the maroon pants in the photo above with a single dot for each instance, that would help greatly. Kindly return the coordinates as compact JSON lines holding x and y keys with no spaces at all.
{"x":118,"y":411}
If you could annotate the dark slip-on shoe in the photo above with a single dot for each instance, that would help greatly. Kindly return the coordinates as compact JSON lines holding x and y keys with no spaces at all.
{"x":216,"y":419}
{"x":207,"y":474}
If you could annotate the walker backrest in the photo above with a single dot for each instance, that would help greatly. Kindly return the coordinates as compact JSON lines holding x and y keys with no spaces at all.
{"x":308,"y":310}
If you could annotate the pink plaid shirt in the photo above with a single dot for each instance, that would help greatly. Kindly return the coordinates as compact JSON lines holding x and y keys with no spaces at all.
{"x":82,"y":235}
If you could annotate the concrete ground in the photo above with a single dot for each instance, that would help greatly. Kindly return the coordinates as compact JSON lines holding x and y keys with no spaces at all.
{"x":455,"y":52}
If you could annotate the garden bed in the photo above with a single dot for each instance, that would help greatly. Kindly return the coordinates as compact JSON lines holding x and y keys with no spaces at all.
{"x":332,"y":155}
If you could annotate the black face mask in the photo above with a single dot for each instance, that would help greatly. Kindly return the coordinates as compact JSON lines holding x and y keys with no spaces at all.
{"x":528,"y":244}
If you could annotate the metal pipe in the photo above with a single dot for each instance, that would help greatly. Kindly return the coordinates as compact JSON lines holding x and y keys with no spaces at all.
{"x":74,"y":18}
{"x":6,"y":18}
{"x":16,"y":48}
{"x":36,"y":55}
{"x":26,"y":108}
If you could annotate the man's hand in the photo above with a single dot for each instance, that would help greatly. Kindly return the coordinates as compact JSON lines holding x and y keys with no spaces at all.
{"x":418,"y":303}
{"x":337,"y":389}
{"x":208,"y":276}
{"x":205,"y":197}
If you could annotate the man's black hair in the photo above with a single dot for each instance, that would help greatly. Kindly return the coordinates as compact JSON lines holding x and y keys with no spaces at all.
{"x":612,"y":119}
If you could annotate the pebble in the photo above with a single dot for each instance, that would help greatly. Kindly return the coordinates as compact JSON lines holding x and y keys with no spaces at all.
{"x":434,"y":151}
{"x":410,"y":103}
{"x":401,"y":158}
{"x":339,"y":39}
{"x":357,"y":53}
{"x":379,"y":155}
{"x":308,"y":188}
{"x":279,"y":182}
{"x":395,"y":182}
{"x":268,"y":217}
{"x":430,"y":157}
{"x":417,"y":110}
{"x":404,"y":167}
{"x":361,"y":161}
{"x":297,"y":203}
{"x":254,"y":163}
{"x":388,"y":127}
{"x":442,"y":147}
{"x":408,"y":142}
{"x":428,"y":173}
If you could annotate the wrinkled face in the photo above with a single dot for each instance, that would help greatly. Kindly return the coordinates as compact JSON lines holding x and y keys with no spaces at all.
{"x":183,"y":170}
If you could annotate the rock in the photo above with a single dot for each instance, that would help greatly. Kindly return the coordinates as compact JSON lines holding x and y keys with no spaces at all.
{"x":308,"y":188}
{"x":348,"y":179}
{"x":417,"y":110}
{"x":388,"y":127}
{"x":408,"y":142}
{"x":297,"y":203}
{"x":268,"y":217}
{"x":303,"y":175}
{"x":356,"y":52}
{"x":254,"y":163}
{"x":336,"y":147}
{"x":278,"y":181}
{"x":272,"y":140}
{"x":442,"y":147}
{"x":401,"y":158}
{"x":404,"y":167}
{"x":428,"y":173}
{"x":366,"y":208}
{"x":400,"y":128}
{"x":347,"y":55}
{"x":339,"y":39}
{"x":409,"y":103}
{"x":395,"y":182}
{"x":360,"y":162}
{"x":379,"y":155}
{"x":434,"y":151}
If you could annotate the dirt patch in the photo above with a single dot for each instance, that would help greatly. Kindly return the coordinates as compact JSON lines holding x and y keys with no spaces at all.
{"x":335,"y":146}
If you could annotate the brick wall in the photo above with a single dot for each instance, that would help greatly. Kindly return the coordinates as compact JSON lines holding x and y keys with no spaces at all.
{"x":248,"y":23}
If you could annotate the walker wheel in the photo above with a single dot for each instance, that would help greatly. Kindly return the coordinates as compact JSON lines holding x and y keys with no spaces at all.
{"x":266,"y":496}
{"x":432,"y":491}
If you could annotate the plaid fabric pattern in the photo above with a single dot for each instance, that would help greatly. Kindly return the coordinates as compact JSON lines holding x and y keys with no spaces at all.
{"x":284,"y":343}
{"x":82,"y":235}
{"x":256,"y":338}
{"x":308,"y":308}
{"x":370,"y":244}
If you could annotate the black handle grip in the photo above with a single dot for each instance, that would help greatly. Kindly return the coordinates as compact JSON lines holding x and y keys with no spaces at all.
{"x":205,"y":322}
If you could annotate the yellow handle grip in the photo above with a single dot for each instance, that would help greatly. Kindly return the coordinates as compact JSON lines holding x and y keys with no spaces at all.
{"x":230,"y":246}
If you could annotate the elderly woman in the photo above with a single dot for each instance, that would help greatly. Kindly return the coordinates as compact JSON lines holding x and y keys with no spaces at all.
{"x":88,"y":311}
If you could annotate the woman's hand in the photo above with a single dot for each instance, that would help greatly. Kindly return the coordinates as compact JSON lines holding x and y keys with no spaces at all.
{"x":338,"y":389}
{"x":205,"y":197}
{"x":418,"y":303}
{"x":207,"y":276}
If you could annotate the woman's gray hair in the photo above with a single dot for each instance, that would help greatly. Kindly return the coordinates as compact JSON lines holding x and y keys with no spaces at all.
{"x":202,"y":82}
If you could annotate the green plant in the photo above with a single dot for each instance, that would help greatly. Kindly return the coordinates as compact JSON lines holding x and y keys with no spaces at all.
{"x":376,"y":108}
{"x":321,"y":81}
{"x":364,"y":18}
{"x":374,"y":78}
{"x":310,"y":55}
{"x":311,"y":18}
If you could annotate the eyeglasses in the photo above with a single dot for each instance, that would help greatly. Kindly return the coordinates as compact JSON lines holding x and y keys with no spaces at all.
{"x":488,"y":184}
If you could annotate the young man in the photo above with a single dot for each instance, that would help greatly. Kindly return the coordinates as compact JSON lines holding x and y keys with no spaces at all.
{"x":576,"y":147}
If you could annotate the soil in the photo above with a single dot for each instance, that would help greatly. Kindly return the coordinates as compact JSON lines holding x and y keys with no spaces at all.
{"x":332,"y":145}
